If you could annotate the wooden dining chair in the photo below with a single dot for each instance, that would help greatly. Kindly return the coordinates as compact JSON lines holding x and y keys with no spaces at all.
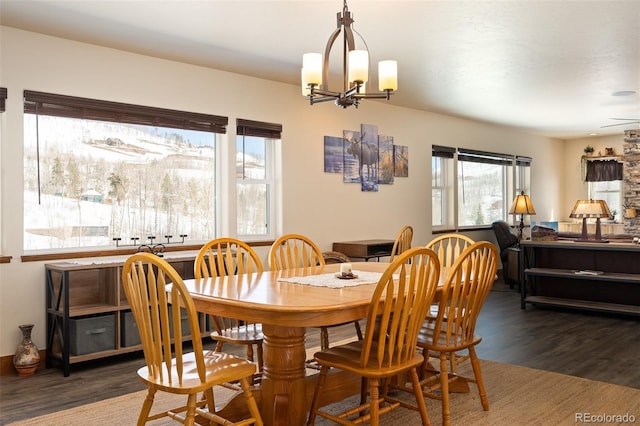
{"x":152,"y":286}
{"x":402,"y":241}
{"x":449,"y":247}
{"x":292,"y":251}
{"x":467,"y":286}
{"x":396,"y":312}
{"x":229,"y":256}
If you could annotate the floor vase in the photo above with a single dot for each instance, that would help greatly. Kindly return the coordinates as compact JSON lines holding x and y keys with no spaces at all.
{"x":27,"y":356}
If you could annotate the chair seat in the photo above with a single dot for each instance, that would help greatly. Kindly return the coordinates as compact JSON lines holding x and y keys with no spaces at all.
{"x":425,"y":338}
{"x":240,"y":335}
{"x":347,"y":357}
{"x":220,"y":368}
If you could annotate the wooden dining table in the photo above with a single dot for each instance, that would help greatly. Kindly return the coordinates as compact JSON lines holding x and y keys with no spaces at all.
{"x":285,"y":310}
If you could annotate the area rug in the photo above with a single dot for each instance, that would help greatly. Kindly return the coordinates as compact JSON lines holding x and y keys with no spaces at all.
{"x":517,"y":396}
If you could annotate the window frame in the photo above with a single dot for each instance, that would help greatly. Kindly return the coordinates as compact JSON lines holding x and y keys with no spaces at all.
{"x":446,"y":157}
{"x":271,"y":133}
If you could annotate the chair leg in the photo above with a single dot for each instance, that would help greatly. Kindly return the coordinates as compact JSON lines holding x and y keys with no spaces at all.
{"x":324,"y":338}
{"x":251,"y":401}
{"x":250,"y":352}
{"x":316,"y":396}
{"x":444,"y":389}
{"x":190,"y":415}
{"x":260,"y":359}
{"x":146,"y":407}
{"x":417,"y":391}
{"x":358,"y":329}
{"x":211,"y":402}
{"x":475,"y":364}
{"x":375,"y":401}
{"x":364,"y":388}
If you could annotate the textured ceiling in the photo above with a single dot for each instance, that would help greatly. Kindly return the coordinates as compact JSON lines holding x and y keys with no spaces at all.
{"x":549,"y":67}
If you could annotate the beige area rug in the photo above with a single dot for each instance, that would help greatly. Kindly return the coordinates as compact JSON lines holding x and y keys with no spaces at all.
{"x":517,"y":396}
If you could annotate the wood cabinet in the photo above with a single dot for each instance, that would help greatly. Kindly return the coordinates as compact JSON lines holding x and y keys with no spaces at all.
{"x":592,"y":276}
{"x":88,"y":316}
{"x":365,"y":249}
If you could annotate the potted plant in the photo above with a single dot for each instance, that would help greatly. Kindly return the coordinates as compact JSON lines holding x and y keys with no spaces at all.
{"x":588,"y":150}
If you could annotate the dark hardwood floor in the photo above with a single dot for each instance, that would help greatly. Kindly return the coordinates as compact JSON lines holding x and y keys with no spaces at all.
{"x":593,"y":346}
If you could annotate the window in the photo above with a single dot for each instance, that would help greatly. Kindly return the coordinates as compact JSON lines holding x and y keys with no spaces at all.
{"x":605,"y":183}
{"x":255,"y":170}
{"x":610,"y":192}
{"x":482,"y":187}
{"x":442,"y":165}
{"x":474,"y":188}
{"x":101,"y":173}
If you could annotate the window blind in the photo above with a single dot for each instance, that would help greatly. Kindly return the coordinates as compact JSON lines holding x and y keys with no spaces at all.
{"x":92,"y":109}
{"x":603,"y":170}
{"x":442,"y":151}
{"x":258,"y":129}
{"x":484,"y":157}
{"x":3,"y":97}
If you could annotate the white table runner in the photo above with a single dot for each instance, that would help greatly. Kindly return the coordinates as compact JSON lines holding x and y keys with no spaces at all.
{"x":330,"y":280}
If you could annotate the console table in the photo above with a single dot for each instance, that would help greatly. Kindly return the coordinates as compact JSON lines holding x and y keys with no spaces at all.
{"x":365,"y":249}
{"x":88,"y":316}
{"x":591,"y":276}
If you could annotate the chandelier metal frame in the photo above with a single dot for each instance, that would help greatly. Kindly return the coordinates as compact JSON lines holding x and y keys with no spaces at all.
{"x":354,"y":91}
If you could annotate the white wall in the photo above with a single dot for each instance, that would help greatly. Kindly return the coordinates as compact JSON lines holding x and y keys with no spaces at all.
{"x":574,"y":187}
{"x":315,"y":203}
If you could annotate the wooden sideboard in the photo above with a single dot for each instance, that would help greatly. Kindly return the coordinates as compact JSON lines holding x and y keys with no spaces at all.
{"x":577,"y":275}
{"x":365,"y":249}
{"x":88,"y":316}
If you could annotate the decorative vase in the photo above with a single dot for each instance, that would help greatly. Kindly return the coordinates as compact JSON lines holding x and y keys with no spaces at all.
{"x":27,"y":357}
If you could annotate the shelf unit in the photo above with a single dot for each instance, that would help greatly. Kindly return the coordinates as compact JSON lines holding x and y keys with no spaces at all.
{"x":551,"y":277}
{"x":83,"y":294}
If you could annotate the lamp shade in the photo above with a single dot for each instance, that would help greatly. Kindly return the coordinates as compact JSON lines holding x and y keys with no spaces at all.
{"x":522,"y":205}
{"x":585,"y":209}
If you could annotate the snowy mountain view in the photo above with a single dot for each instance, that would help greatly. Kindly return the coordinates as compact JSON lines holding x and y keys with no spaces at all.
{"x":88,"y":182}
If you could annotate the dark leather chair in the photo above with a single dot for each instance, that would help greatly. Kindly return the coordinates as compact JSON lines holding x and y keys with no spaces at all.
{"x":506,"y":240}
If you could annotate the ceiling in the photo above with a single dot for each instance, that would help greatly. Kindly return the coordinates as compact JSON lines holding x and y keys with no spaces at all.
{"x":549,"y":67}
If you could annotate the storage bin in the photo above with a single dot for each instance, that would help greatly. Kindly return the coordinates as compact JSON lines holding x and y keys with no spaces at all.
{"x":184,"y":321}
{"x":92,"y":334}
{"x":130,"y":336}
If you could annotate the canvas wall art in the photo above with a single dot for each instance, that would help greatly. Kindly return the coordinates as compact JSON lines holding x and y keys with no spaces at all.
{"x":365,"y":157}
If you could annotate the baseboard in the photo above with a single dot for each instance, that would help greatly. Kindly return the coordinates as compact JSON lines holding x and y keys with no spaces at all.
{"x":6,"y":364}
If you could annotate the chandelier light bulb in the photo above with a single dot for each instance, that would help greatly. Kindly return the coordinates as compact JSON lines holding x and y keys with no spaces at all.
{"x":387,"y":75}
{"x":358,"y":66}
{"x":312,"y":68}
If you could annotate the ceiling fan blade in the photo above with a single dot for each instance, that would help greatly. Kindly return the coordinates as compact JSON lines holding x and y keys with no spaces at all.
{"x":620,"y":124}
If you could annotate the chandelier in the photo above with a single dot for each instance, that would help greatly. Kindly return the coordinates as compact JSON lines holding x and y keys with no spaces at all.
{"x":355,"y":70}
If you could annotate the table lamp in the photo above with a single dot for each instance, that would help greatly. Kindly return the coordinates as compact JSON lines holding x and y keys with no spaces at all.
{"x":586,"y":209}
{"x":522,"y":205}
